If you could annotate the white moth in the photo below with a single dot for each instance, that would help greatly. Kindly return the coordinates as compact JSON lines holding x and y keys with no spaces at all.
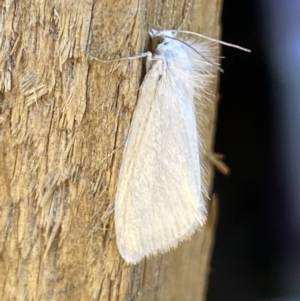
{"x":159,"y":200}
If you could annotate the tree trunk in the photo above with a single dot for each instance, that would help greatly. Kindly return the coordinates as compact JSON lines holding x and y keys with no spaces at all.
{"x":64,"y":120}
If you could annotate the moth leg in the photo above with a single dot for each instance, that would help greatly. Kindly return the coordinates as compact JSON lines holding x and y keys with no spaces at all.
{"x":216,"y":160}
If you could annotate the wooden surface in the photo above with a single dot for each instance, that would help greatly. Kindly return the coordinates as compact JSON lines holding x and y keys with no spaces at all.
{"x":63,"y":124}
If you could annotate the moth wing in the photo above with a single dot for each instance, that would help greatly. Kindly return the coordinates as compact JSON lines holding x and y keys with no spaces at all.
{"x":159,"y":201}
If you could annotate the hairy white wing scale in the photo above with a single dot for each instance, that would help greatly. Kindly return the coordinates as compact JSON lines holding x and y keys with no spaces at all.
{"x":159,"y":201}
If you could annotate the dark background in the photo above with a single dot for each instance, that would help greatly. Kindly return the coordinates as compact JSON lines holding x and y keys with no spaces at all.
{"x":257,"y":254}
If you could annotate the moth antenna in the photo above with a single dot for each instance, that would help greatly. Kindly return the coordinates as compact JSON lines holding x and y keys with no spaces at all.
{"x":204,"y":58}
{"x":133,"y":57}
{"x":215,"y":40}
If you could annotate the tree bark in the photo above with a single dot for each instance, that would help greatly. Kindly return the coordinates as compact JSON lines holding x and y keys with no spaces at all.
{"x":63,"y":123}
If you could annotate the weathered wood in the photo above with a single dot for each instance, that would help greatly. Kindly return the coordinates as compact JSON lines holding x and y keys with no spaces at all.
{"x":63,"y":123}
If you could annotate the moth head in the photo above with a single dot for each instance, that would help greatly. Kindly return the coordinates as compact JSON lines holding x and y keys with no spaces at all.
{"x":160,"y":37}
